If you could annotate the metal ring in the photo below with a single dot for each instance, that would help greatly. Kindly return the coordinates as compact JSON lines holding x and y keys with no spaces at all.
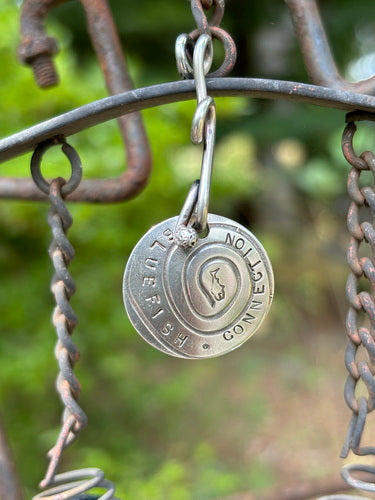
{"x":73,"y":158}
{"x":357,"y":116}
{"x":347,"y":138}
{"x":348,"y":149}
{"x":184,"y":50}
{"x":200,"y":17}
{"x":358,"y":483}
{"x":229,"y":49}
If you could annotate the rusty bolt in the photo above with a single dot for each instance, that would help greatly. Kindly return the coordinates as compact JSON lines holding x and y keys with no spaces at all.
{"x":37,"y":53}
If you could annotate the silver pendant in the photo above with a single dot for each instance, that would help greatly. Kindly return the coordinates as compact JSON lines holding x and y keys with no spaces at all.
{"x":201,"y":301}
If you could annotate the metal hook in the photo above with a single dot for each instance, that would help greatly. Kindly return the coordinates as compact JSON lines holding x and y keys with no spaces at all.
{"x":37,"y":50}
{"x":203,"y":129}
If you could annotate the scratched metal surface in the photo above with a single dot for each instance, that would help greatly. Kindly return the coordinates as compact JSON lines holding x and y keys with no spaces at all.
{"x":114,"y":106}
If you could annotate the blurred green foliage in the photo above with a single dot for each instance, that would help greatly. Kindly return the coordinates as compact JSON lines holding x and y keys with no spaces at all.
{"x":159,"y":427}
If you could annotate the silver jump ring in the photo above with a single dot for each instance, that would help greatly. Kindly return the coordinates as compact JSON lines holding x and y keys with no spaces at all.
{"x":73,"y":158}
{"x":184,"y":48}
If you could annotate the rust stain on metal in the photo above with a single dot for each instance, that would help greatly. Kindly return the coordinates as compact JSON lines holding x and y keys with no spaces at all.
{"x":315,"y":49}
{"x":38,"y":49}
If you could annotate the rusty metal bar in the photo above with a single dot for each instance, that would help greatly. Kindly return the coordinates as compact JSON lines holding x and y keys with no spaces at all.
{"x":111,"y":107}
{"x":10,"y":488}
{"x":37,"y":49}
{"x":315,"y":49}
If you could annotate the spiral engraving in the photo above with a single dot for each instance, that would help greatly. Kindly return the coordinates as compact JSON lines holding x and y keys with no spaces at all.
{"x":201,"y":301}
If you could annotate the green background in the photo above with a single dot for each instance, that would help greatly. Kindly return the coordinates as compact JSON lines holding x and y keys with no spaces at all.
{"x":260,"y":417}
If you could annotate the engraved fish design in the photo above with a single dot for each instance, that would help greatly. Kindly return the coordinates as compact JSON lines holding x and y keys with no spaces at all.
{"x":216,"y":290}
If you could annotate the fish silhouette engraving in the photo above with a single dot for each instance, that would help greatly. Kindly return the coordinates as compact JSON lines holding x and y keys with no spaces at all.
{"x":213,"y":289}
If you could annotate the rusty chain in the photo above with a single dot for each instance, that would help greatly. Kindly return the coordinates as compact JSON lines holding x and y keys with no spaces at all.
{"x":360,"y":290}
{"x":212,"y":28}
{"x":360,"y":324}
{"x":61,"y":252}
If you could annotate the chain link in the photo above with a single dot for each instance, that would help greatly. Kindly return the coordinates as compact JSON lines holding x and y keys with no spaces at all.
{"x":61,"y":252}
{"x":360,"y":290}
{"x":184,"y":53}
{"x":198,"y":7}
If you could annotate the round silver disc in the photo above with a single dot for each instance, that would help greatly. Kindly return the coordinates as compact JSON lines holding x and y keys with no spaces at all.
{"x":198,"y":302}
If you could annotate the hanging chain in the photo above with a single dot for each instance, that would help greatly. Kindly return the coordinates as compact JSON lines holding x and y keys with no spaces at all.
{"x":360,"y":289}
{"x":61,"y":252}
{"x":185,"y":46}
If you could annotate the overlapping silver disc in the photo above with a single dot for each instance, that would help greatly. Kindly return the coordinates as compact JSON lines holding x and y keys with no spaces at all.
{"x":198,"y":302}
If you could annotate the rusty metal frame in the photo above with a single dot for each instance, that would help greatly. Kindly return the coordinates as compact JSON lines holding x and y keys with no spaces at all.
{"x":109,"y":108}
{"x":316,"y":52}
{"x":331,"y":90}
{"x":128,"y":102}
{"x":37,"y":50}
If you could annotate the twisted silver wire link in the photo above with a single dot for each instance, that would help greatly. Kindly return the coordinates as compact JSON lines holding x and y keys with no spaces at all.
{"x":71,"y":484}
{"x":74,"y":484}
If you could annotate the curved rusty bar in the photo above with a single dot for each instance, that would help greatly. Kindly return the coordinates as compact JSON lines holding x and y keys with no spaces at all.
{"x":315,"y":49}
{"x":37,"y":50}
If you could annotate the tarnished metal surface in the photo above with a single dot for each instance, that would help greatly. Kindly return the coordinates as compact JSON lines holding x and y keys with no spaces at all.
{"x":212,"y":27}
{"x":181,"y":280}
{"x":315,"y":49}
{"x":37,"y":49}
{"x":10,"y":488}
{"x":111,"y":107}
{"x":360,"y":321}
{"x":203,"y":130}
{"x":64,"y":319}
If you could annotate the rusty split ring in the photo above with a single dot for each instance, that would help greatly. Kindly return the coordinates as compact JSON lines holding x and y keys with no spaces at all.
{"x":358,"y":116}
{"x":200,"y":17}
{"x":348,"y":135}
{"x":229,"y":48}
{"x":73,"y":158}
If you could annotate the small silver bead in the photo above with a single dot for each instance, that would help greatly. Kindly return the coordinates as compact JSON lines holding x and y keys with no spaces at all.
{"x":185,"y":236}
